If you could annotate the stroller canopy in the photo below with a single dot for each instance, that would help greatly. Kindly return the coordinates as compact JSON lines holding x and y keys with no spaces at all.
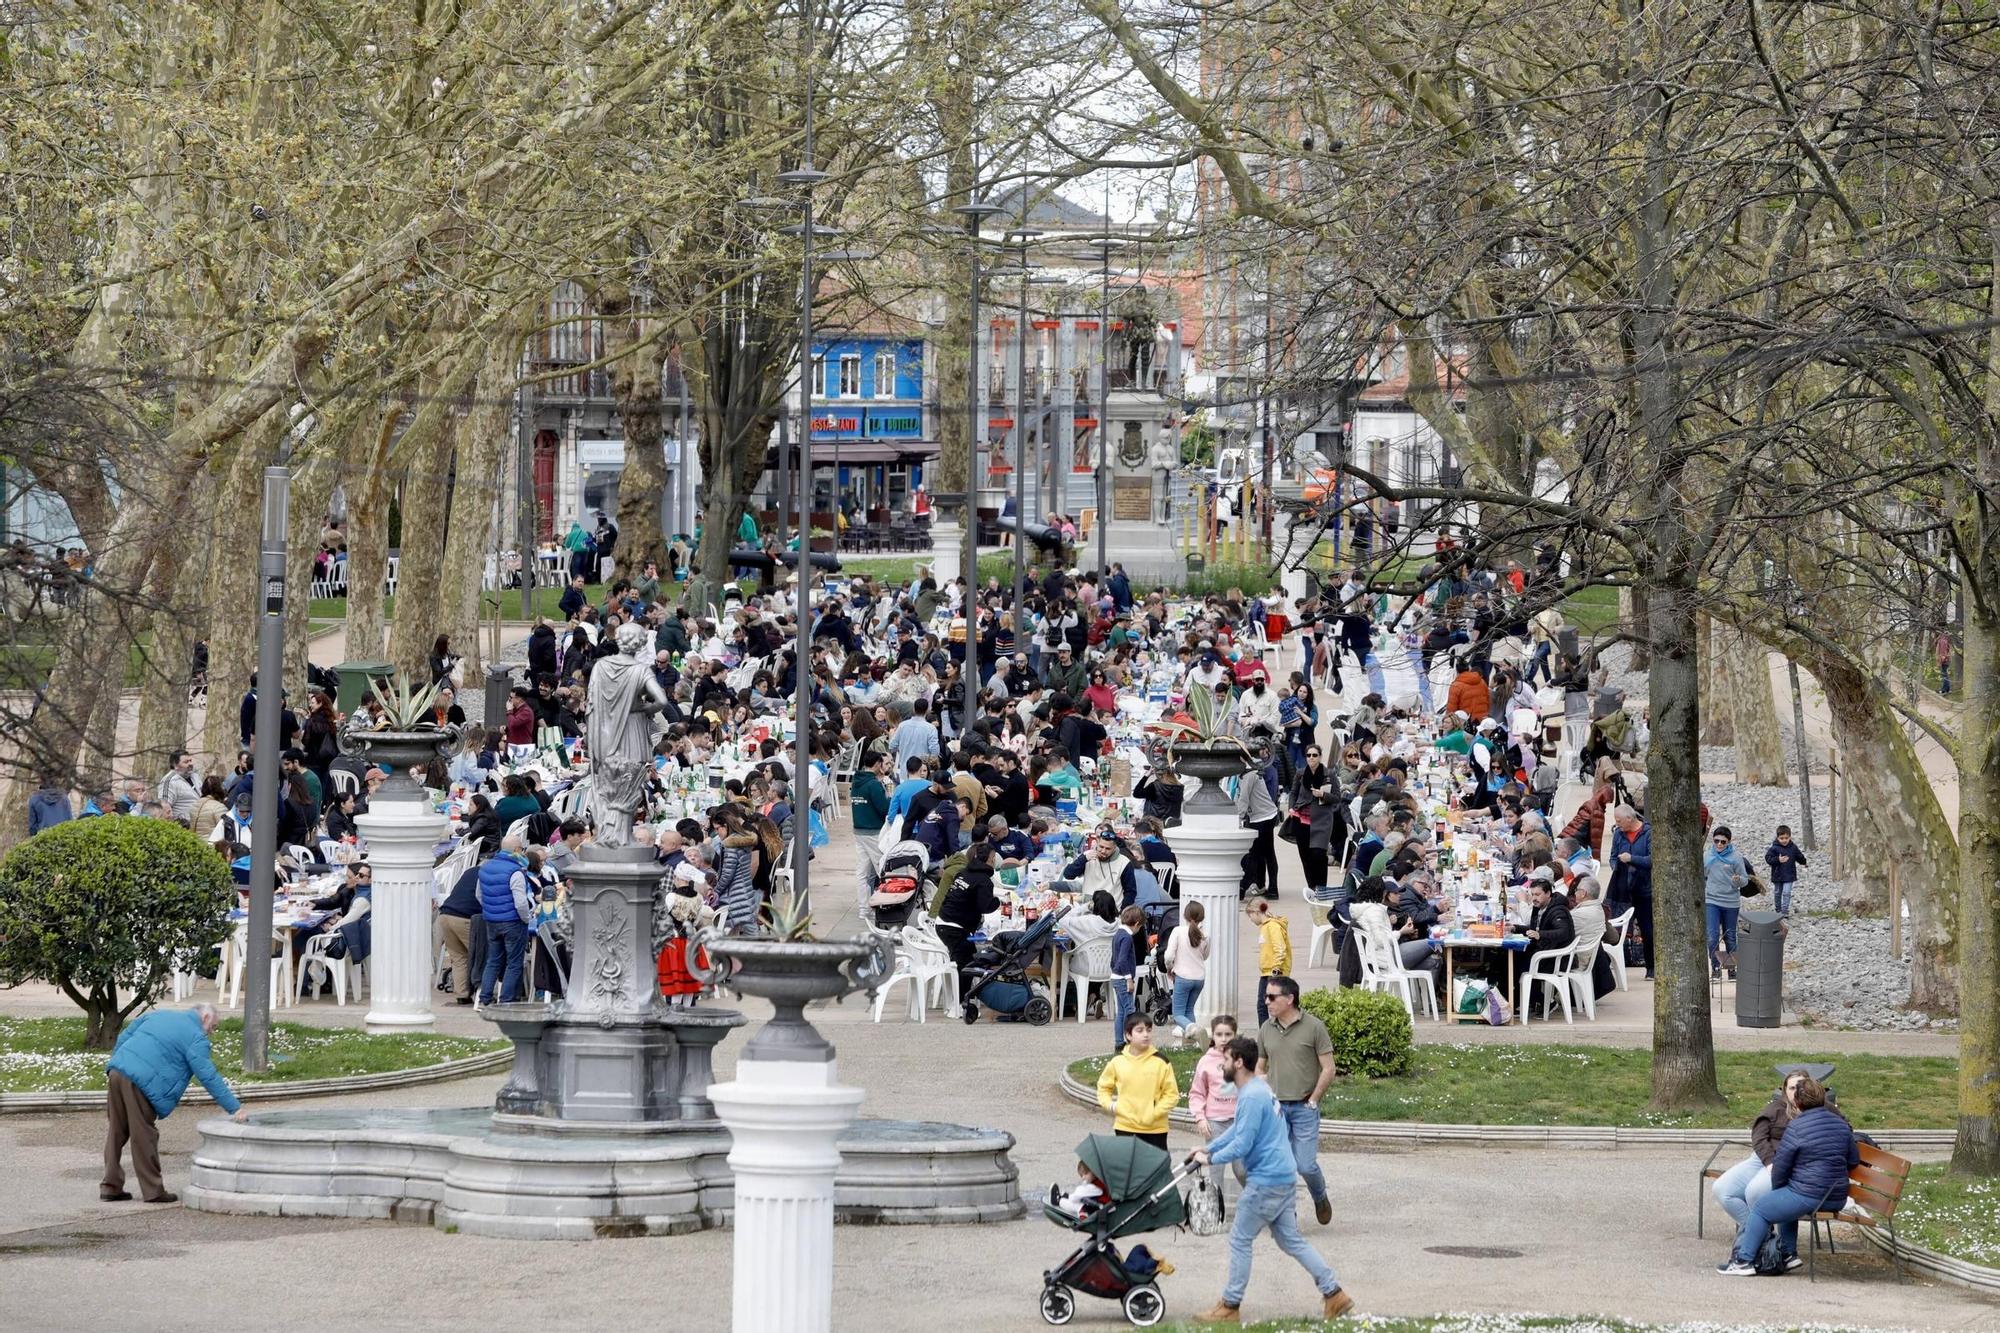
{"x":1140,"y":1180}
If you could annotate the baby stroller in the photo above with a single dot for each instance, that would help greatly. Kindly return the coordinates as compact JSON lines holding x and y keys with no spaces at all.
{"x":1143,"y":1190}
{"x":998,"y":977}
{"x":903,"y":883}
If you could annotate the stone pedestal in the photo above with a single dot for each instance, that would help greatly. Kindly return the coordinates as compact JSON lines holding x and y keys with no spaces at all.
{"x":1210,"y":847}
{"x":785,"y":1119}
{"x":401,"y":835}
{"x":947,"y":549}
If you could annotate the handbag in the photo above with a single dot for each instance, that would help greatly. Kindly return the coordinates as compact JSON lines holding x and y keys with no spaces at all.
{"x":1752,"y":887}
{"x":1204,"y":1207}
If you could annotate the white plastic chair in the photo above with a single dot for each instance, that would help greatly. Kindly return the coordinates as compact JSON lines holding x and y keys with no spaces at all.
{"x":1550,"y":970}
{"x":344,"y":783}
{"x":235,"y":951}
{"x":1169,"y":876}
{"x":1324,"y":931}
{"x":1619,"y":925}
{"x":924,"y":965}
{"x":1584,"y":955}
{"x":336,"y":968}
{"x":1382,"y":969}
{"x":1090,"y":966}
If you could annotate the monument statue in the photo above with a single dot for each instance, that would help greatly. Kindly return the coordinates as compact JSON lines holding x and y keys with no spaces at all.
{"x":618,"y":735}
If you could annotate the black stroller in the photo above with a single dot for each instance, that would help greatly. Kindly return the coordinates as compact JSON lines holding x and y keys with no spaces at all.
{"x":998,"y":977}
{"x":1143,"y":1194}
{"x":903,"y":883}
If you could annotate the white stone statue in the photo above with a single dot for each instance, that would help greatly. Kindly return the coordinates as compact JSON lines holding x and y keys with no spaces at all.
{"x":618,"y":735}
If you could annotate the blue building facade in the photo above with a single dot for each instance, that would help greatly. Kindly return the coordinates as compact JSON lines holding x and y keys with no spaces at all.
{"x":870,"y":420}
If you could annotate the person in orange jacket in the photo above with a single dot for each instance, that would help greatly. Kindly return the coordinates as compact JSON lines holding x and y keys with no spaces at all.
{"x":1469,"y":695}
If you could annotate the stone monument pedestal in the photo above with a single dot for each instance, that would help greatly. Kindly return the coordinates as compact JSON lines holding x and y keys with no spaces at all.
{"x":1210,"y":846}
{"x":947,"y":548}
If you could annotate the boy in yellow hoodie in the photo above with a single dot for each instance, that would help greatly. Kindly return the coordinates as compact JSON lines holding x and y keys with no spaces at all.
{"x":1274,"y":949}
{"x":1142,"y":1084}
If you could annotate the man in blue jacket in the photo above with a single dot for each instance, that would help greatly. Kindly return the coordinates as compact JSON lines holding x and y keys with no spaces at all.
{"x":507,"y":902}
{"x":1632,"y":874}
{"x":1259,"y":1138}
{"x":149,"y":1069}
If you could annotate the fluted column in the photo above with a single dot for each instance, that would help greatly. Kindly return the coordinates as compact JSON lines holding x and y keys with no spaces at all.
{"x":1210,"y":849}
{"x":401,"y":836}
{"x":947,"y":548}
{"x":785,"y":1119}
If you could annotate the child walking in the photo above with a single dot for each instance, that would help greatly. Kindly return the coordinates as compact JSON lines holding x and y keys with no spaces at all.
{"x":1274,"y":949}
{"x":1139,"y":1086}
{"x":1784,"y":857}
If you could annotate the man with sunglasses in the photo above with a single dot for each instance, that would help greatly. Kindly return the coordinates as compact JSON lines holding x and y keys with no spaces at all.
{"x":1298,"y":1061}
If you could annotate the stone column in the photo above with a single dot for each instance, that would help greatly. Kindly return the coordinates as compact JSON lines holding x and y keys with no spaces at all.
{"x":1210,"y":848}
{"x":785,"y":1118}
{"x":947,"y":548}
{"x":402,"y":954}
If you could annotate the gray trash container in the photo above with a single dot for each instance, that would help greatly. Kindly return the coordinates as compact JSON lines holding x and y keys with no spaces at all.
{"x":499,"y":683}
{"x":1760,"y":969}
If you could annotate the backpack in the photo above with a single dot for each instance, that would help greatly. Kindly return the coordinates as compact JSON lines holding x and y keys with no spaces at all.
{"x":1770,"y":1260}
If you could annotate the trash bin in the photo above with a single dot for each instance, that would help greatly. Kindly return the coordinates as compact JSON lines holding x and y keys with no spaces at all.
{"x":1760,"y":969}
{"x":499,"y":681}
{"x":354,"y":678}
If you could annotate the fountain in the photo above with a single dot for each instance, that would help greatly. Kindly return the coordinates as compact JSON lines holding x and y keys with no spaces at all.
{"x":607,"y":1124}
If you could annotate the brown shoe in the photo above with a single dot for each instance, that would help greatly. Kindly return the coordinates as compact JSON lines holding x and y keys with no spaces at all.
{"x":1223,"y":1313}
{"x":114,"y":1196}
{"x":1323,"y":1210}
{"x":166,"y":1198}
{"x":1335,"y":1303}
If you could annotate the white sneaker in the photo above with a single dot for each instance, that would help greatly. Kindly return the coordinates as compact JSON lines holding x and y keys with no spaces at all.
{"x":1736,"y":1268}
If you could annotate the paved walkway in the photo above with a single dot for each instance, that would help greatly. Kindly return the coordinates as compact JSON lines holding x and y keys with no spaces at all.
{"x":1596,"y":1232}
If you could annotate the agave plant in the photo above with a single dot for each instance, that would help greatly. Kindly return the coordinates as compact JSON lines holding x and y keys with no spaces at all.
{"x":789,"y":912}
{"x":405,"y":707}
{"x":1199,"y":724}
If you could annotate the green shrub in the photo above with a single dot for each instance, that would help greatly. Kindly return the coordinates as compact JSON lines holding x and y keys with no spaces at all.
{"x":96,"y":906}
{"x":1370,"y":1030}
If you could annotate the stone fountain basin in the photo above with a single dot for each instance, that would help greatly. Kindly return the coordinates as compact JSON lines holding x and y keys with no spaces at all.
{"x":451,"y":1169}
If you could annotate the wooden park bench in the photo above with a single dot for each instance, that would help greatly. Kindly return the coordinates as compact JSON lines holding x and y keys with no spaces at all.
{"x":1876,"y":1185}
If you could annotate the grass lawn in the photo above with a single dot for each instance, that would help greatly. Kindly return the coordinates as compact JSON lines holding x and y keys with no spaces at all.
{"x":1593,"y":1085}
{"x":47,"y":1055}
{"x":1954,"y":1215}
{"x":1593,"y":610}
{"x":1497,"y":1323}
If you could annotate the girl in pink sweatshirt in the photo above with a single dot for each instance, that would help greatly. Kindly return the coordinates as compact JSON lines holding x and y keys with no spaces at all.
{"x":1212,"y":1097}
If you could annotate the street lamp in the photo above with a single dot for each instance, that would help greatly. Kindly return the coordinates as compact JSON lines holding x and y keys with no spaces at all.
{"x":1105,"y":247}
{"x":975,"y":212}
{"x":1021,"y":236}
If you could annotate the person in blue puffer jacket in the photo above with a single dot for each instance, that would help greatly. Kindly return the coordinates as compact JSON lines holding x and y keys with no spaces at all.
{"x":507,"y":902}
{"x":147,"y":1074}
{"x":1808,"y":1173}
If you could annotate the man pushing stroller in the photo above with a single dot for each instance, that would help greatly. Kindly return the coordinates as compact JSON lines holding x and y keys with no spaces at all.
{"x":1260,"y":1140}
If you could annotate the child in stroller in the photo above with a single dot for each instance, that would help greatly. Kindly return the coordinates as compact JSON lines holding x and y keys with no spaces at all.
{"x":902,"y":884}
{"x":1142,"y":1189}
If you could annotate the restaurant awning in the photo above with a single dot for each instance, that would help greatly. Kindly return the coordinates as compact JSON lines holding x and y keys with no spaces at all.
{"x":856,"y":452}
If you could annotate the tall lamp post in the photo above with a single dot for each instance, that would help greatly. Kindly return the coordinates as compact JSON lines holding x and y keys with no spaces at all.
{"x":1021,"y":236}
{"x":975,"y":212}
{"x":1105,"y":248}
{"x":264,"y":763}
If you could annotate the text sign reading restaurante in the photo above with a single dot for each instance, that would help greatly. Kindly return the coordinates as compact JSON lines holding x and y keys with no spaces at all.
{"x":874,"y":424}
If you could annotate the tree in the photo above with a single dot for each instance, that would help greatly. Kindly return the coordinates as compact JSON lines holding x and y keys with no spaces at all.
{"x":106,"y":908}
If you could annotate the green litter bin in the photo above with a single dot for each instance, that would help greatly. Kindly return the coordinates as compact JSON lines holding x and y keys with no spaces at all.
{"x":354,"y":678}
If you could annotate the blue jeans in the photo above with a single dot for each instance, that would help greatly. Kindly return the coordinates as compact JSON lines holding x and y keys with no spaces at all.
{"x":1185,"y":994}
{"x":1740,"y":1187}
{"x":506,"y":947}
{"x":1782,"y":1208}
{"x":1539,"y":663}
{"x":1782,"y":893}
{"x":1121,"y":996}
{"x":1721,"y":926}
{"x":1302,"y":1119}
{"x":1373,"y":666}
{"x":1274,"y":1207}
{"x":1423,"y":678}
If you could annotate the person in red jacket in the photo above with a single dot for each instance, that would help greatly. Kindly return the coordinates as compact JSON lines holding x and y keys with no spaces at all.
{"x":520,"y":718}
{"x":1469,"y":695}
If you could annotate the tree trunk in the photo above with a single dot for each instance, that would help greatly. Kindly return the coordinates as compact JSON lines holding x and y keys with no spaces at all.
{"x":420,"y":567}
{"x":482,"y":448}
{"x":1901,"y":822}
{"x":1977,"y":1148}
{"x":1753,"y":715}
{"x":368,"y":548}
{"x":1716,"y":721}
{"x":101,"y":1024}
{"x":312,"y":487}
{"x":636,"y":377}
{"x":232,"y":594}
{"x":163,"y":689}
{"x":1632,"y":611}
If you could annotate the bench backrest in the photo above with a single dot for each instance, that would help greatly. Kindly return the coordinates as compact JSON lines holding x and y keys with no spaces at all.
{"x":1878,"y":1182}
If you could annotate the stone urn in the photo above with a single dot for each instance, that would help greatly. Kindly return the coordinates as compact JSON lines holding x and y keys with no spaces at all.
{"x":1214,"y":762}
{"x":399,"y":752}
{"x":791,"y":974}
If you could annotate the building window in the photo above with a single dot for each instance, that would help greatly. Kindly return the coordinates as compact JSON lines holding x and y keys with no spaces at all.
{"x":885,"y":373}
{"x":850,"y":377}
{"x":819,"y":384}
